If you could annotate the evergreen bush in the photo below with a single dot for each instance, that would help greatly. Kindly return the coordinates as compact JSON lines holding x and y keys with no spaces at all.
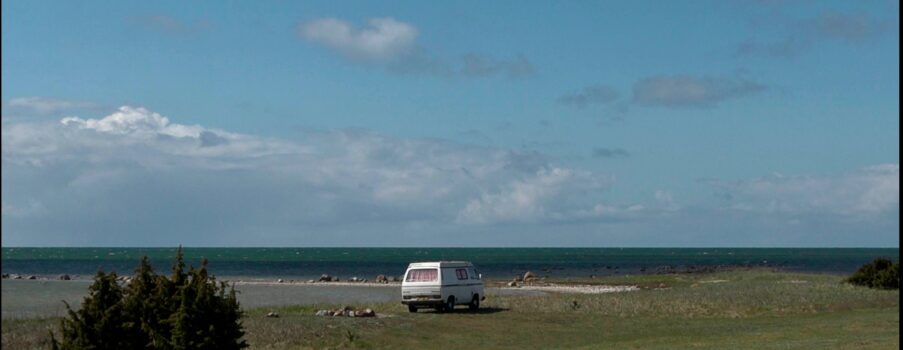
{"x":188,"y":310}
{"x":880,"y":273}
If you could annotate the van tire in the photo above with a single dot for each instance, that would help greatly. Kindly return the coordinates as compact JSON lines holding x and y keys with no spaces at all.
{"x":450,"y":304}
{"x":412,"y":308}
{"x":475,"y":302}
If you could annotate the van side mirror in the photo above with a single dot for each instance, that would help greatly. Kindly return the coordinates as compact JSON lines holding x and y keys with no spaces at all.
{"x":480,"y":276}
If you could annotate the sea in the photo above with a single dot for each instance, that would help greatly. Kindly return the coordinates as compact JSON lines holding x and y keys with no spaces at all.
{"x":310,"y":263}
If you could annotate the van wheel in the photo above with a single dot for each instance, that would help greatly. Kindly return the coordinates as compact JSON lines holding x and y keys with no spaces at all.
{"x":450,"y":305}
{"x":475,"y":302}
{"x":412,"y":308}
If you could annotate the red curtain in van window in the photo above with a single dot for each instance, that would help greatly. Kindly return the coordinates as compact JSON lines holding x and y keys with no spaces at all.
{"x":424,"y":275}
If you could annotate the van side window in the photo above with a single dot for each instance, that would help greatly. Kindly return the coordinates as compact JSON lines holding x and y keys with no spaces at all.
{"x":474,"y":275}
{"x":461,"y":273}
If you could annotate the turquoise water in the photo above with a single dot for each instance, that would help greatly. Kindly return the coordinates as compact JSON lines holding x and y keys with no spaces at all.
{"x":303,"y":263}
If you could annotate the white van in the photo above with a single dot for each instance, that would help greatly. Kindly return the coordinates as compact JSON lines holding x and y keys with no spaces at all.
{"x":441,"y":285}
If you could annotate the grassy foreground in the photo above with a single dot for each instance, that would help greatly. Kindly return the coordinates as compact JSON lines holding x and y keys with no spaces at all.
{"x":736,"y":309}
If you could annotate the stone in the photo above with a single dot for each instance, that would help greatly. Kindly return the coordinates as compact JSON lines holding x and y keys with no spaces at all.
{"x":311,"y":281}
{"x":324,"y":313}
{"x":529,"y":275}
{"x":16,"y":276}
{"x":381,"y":279}
{"x":65,"y":277}
{"x":396,"y":279}
{"x":280,"y":280}
{"x":512,"y":284}
{"x":5,"y":275}
{"x":365,"y":313}
{"x":337,"y":313}
{"x":326,"y":278}
{"x":32,"y":277}
{"x":273,"y":314}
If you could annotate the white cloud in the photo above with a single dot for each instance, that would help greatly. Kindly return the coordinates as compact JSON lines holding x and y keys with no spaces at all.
{"x":665,"y":200}
{"x":870,"y":191}
{"x":530,"y":199}
{"x":595,"y":94}
{"x":688,"y":91}
{"x":131,"y":120}
{"x":801,"y":35}
{"x":47,"y":105}
{"x":392,"y":44}
{"x":384,"y":39}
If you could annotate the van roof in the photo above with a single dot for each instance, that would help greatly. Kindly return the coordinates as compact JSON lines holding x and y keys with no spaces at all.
{"x":440,"y":264}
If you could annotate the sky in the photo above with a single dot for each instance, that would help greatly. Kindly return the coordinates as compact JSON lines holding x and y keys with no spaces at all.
{"x":500,"y":124}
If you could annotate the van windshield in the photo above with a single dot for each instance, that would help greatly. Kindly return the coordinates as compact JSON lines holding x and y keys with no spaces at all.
{"x":423,"y":275}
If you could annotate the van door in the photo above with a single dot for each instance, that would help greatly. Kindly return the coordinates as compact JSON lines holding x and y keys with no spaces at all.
{"x":462,"y":279}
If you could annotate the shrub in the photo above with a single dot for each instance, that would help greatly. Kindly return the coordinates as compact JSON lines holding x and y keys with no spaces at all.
{"x":188,"y":310}
{"x":880,"y":273}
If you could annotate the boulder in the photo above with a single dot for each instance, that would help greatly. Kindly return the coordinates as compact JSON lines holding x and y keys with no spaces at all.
{"x":337,"y":313}
{"x":280,"y":280}
{"x":396,"y":279}
{"x":382,"y":279}
{"x":326,"y":278}
{"x":311,"y":281}
{"x":32,"y":277}
{"x":65,"y":277}
{"x":529,"y":276}
{"x":512,"y":284}
{"x":16,"y":276}
{"x":5,"y":275}
{"x":365,"y":313}
{"x":324,"y":313}
{"x":273,"y":314}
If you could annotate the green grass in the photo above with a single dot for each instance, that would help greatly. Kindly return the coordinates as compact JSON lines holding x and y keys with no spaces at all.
{"x":752,"y":309}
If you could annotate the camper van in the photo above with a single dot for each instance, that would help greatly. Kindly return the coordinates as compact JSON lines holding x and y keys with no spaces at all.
{"x":441,"y":285}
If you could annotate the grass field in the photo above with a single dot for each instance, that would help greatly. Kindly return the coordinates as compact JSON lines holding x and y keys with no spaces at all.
{"x":752,"y":309}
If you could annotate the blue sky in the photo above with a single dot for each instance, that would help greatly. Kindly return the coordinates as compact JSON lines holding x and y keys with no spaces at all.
{"x":695,"y":123}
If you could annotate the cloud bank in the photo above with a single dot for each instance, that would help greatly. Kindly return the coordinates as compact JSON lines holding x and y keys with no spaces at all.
{"x":135,"y":168}
{"x":134,"y":177}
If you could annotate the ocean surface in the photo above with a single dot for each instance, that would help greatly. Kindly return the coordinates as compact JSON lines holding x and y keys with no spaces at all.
{"x":309,"y":263}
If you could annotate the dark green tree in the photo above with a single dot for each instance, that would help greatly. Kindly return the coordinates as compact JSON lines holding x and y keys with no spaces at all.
{"x":99,"y":322}
{"x":881,"y":273}
{"x":188,"y":310}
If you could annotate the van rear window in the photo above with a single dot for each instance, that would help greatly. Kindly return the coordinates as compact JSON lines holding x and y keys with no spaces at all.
{"x":423,"y":275}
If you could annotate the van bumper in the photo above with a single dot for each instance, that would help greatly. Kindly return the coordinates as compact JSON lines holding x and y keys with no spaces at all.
{"x":424,"y":303}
